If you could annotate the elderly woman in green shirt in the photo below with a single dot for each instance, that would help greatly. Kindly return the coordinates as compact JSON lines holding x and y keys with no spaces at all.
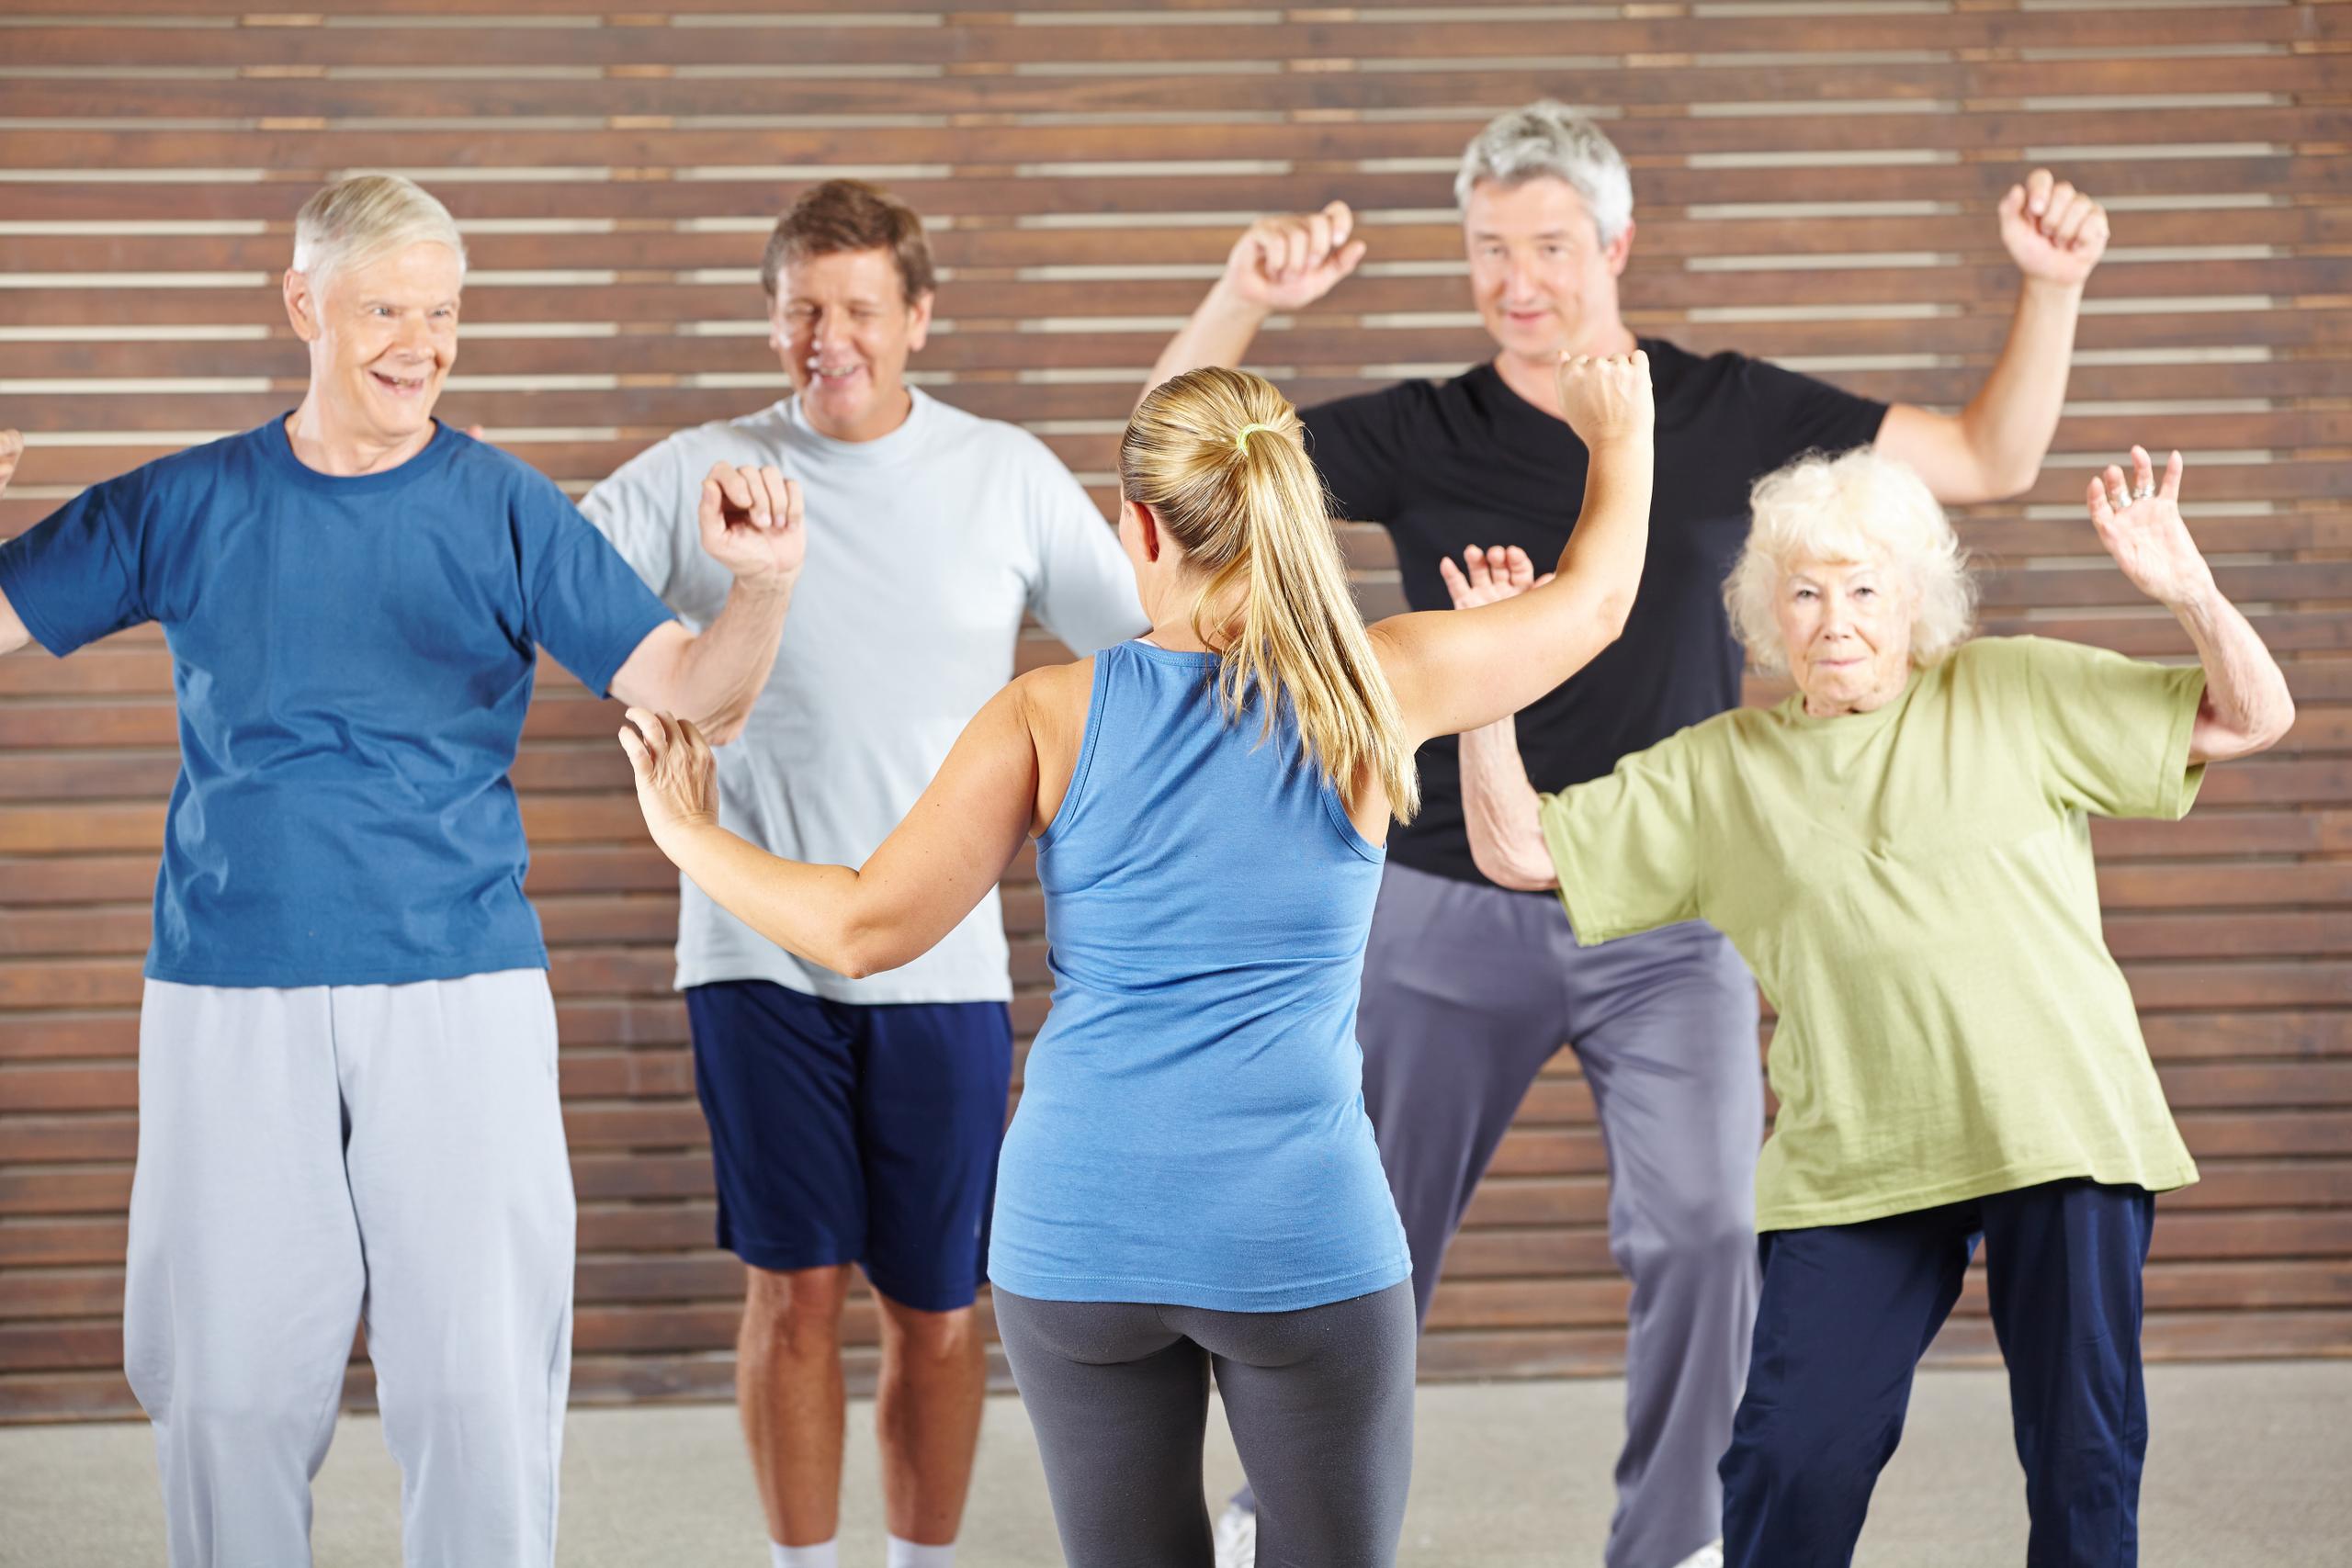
{"x":1900,"y":851}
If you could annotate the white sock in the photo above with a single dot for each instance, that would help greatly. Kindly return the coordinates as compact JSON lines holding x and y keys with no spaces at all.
{"x":821,"y":1555}
{"x":907,"y":1554}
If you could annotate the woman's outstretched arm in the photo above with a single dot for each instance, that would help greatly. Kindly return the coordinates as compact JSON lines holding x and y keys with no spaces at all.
{"x":932,"y":871}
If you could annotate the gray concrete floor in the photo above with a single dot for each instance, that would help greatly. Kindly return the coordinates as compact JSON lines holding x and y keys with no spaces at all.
{"x":2250,"y":1464}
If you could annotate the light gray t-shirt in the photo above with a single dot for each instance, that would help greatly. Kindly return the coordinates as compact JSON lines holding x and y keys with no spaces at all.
{"x":924,"y":550}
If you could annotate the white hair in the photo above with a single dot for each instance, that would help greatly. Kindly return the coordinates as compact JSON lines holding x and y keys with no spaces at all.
{"x":1861,"y":506}
{"x":365,"y":216}
{"x":1549,"y":140}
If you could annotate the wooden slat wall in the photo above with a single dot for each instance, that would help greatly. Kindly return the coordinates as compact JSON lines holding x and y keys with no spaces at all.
{"x":1816,"y":183}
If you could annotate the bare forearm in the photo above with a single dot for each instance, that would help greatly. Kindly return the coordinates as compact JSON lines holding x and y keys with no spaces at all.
{"x":810,"y":911}
{"x":720,"y":672}
{"x":2013,"y":417}
{"x":1220,"y":332}
{"x":1605,"y":551}
{"x":1501,"y":810}
{"x":2247,"y":707}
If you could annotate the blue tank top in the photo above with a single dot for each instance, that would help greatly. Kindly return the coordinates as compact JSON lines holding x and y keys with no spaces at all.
{"x":1191,"y":1128}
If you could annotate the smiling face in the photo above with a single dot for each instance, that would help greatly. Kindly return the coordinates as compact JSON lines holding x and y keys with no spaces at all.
{"x":1543,"y":281}
{"x":1846,"y":629}
{"x":845,"y":328}
{"x":383,"y":333}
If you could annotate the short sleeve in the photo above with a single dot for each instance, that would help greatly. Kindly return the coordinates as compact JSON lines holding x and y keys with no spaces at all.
{"x":1081,"y":586}
{"x":1355,"y":442}
{"x":1797,"y":413}
{"x":1626,"y":845}
{"x":2114,"y":732}
{"x":73,"y":577}
{"x":586,"y":605}
{"x":647,"y":511}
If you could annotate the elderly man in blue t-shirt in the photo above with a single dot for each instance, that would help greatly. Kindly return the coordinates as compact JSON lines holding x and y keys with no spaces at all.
{"x":348,"y":1097}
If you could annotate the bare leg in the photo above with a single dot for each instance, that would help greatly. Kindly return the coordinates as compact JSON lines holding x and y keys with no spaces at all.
{"x":927,"y":1414}
{"x":789,"y":1389}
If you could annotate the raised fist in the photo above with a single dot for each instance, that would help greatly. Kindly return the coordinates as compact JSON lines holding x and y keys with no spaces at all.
{"x":2052,"y":229}
{"x":1288,"y":263}
{"x":1606,"y":398}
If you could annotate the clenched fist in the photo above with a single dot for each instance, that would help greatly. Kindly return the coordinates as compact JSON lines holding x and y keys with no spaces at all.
{"x":1290,"y":262}
{"x":1606,"y":398}
{"x":751,"y":524}
{"x":2052,"y":230}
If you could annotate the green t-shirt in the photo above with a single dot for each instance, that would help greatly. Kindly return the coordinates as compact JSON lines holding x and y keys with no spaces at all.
{"x":1913,"y":889}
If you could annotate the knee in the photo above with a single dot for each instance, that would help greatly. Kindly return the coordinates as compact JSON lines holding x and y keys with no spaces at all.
{"x":1796,"y":1458}
{"x":920,"y":1339}
{"x":247,"y":1416}
{"x":797,"y":1314}
{"x":1711,"y":1232}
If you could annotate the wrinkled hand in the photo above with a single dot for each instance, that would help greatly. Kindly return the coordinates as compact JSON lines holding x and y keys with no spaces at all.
{"x":751,"y":524}
{"x":2052,"y":230}
{"x":1489,"y":576}
{"x":12,"y":446}
{"x":1606,"y":398}
{"x":677,"y":782}
{"x":1288,"y":263}
{"x":2147,"y":536}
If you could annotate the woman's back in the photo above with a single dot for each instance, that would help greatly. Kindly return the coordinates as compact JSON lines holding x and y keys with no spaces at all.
{"x":1191,"y":1128}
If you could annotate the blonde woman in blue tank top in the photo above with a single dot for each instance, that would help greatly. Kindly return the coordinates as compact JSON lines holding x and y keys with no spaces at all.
{"x":1191,"y":1188}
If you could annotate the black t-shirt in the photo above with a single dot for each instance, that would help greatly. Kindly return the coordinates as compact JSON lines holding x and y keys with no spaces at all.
{"x":1469,"y":462}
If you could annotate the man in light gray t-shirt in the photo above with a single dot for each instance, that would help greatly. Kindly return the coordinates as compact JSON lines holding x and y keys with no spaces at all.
{"x":857,"y":1121}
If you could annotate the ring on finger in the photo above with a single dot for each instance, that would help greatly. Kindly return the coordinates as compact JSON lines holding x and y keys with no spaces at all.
{"x":2144,"y":489}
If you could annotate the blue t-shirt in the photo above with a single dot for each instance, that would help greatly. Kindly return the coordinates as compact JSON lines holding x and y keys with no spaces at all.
{"x":1192,"y":1130}
{"x":352,"y":658}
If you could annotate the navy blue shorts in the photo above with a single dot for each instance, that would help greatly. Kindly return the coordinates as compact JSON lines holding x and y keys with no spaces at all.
{"x":852,"y":1133}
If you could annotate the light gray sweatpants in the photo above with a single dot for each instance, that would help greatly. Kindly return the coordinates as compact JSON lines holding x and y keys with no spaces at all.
{"x":309,"y":1157}
{"x":1468,"y":991}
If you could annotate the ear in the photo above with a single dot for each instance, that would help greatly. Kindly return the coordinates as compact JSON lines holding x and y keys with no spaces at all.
{"x":1146,"y":528}
{"x":301,"y":306}
{"x":918,"y":322}
{"x":1620,"y":251}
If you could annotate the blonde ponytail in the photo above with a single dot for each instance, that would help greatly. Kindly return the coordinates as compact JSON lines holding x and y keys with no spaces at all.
{"x":1217,"y":457}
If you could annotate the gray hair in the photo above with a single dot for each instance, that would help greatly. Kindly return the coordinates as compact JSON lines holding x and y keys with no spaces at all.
{"x":1858,"y":507}
{"x":365,"y":216}
{"x":1549,"y":140}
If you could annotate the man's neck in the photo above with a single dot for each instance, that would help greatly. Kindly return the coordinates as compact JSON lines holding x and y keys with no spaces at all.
{"x":890,"y":412}
{"x":320,"y":442}
{"x":1537,"y":380}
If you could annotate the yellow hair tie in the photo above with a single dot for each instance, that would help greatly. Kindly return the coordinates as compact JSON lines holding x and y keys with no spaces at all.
{"x":1241,"y":442}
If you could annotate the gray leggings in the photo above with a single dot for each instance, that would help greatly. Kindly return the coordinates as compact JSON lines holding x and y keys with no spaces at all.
{"x":1320,"y":1402}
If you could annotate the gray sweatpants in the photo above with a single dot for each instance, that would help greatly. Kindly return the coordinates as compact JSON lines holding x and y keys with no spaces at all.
{"x":309,"y":1157}
{"x":1468,"y":991}
{"x":1320,"y":1402}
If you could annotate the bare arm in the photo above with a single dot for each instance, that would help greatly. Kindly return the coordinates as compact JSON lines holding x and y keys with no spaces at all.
{"x":750,"y":522}
{"x":1455,"y":670}
{"x":13,"y":633}
{"x":1502,"y":810}
{"x":2247,"y":708}
{"x":1994,"y":446}
{"x":1278,"y":264}
{"x":932,"y":871}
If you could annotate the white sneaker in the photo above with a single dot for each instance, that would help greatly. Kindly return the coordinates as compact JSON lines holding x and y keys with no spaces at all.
{"x":1708,"y":1556}
{"x":1237,"y":1538}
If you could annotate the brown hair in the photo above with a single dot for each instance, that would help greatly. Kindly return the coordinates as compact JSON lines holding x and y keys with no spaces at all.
{"x":851,"y":215}
{"x":1217,"y":454}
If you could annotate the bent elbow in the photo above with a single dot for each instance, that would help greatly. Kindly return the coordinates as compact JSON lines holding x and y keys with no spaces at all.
{"x":1611,"y":616}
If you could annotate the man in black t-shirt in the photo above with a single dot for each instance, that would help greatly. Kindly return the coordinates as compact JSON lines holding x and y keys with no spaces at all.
{"x":1469,"y":989}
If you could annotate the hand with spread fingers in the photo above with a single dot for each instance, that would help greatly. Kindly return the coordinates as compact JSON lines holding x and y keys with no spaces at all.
{"x":677,"y":781}
{"x":2142,"y":528}
{"x":1489,"y":576}
{"x":12,"y":447}
{"x":751,"y":520}
{"x":1607,"y":398}
{"x":2053,"y":231}
{"x":1287,"y":263}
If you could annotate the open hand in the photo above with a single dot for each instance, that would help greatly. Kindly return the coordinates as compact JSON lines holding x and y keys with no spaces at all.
{"x":12,"y":446}
{"x":751,"y":524}
{"x":1287,"y":263}
{"x":677,"y":782}
{"x":1606,"y":398}
{"x":2145,"y":533}
{"x":2052,"y":230}
{"x":1489,"y":576}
